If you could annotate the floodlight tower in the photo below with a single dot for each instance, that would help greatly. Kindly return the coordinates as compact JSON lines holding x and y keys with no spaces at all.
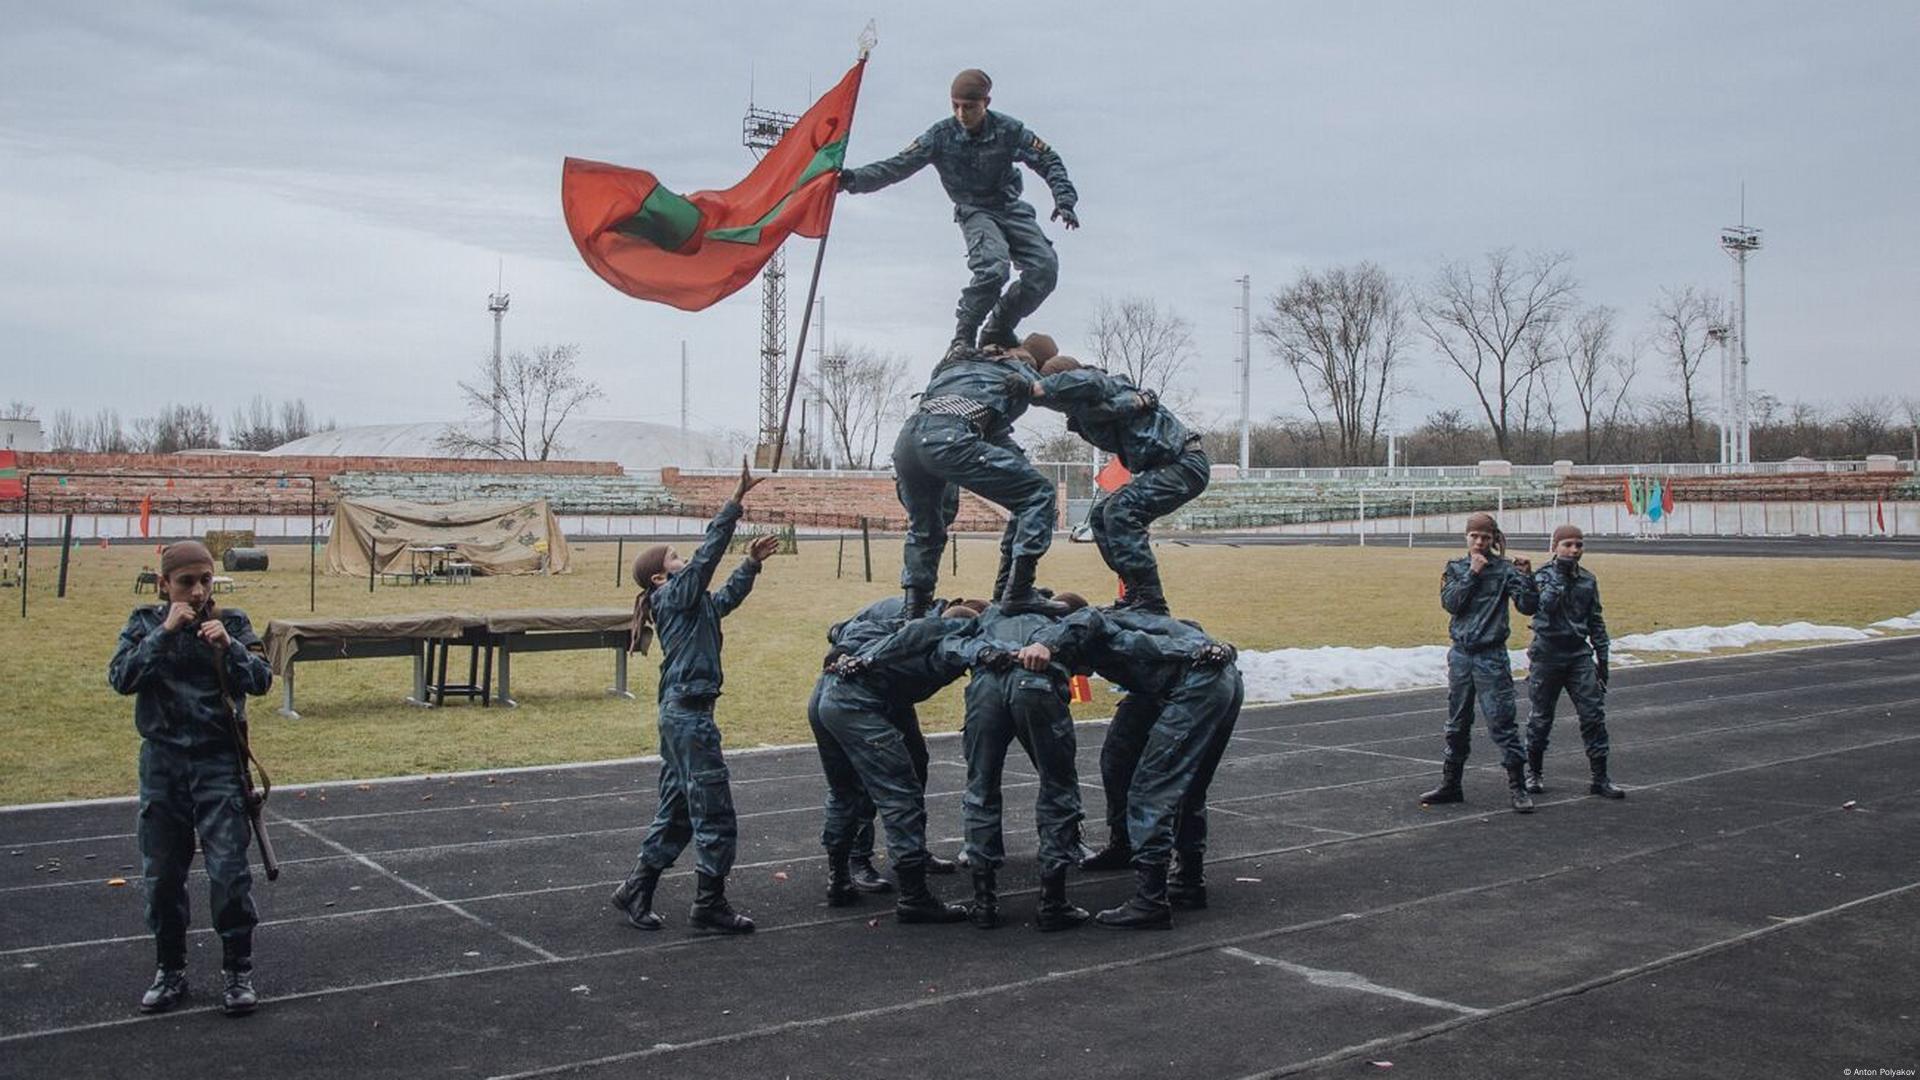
{"x":1718,"y":335}
{"x":1246,"y":370}
{"x":760,"y":132}
{"x":1739,"y":241}
{"x":497,"y":303}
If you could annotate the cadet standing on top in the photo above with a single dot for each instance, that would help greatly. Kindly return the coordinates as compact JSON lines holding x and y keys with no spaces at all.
{"x":1569,"y":651}
{"x":696,"y":801}
{"x":975,"y":151}
{"x":190,"y":668}
{"x":1474,"y":590}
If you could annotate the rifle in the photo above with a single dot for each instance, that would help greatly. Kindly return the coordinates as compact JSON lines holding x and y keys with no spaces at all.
{"x":243,"y":754}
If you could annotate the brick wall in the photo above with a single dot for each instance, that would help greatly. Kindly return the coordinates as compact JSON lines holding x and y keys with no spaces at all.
{"x":1785,"y":487}
{"x":833,"y":501}
{"x":109,"y":494}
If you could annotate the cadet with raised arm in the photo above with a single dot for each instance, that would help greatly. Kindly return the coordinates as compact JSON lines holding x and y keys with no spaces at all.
{"x":1168,"y":466}
{"x":696,"y":801}
{"x":1475,"y":590}
{"x":975,"y":151}
{"x":190,"y":668}
{"x":1196,"y":693}
{"x":1569,"y":652}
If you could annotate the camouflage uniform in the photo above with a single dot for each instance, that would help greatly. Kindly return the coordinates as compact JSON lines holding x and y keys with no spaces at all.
{"x":1569,"y":636}
{"x":1003,"y":706}
{"x":1479,"y":671}
{"x":190,"y":774}
{"x":696,"y":800}
{"x":977,"y":170}
{"x":972,"y":449}
{"x":1169,"y":466}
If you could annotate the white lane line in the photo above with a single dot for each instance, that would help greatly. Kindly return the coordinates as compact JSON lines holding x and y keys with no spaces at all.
{"x":1389,"y":1042}
{"x":417,"y":890}
{"x":1313,"y":924}
{"x":1347,"y":980}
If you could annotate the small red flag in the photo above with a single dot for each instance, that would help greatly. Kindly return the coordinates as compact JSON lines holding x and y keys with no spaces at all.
{"x":1666,"y":497}
{"x":1082,"y":688}
{"x":1880,"y":513}
{"x":1627,"y":485}
{"x":1113,"y":476}
{"x":146,"y":514}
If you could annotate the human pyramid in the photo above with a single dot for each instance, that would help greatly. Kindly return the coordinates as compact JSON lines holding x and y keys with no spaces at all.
{"x":191,"y":666}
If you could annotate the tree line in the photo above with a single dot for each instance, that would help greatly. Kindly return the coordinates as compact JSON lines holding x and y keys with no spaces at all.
{"x":258,"y":425}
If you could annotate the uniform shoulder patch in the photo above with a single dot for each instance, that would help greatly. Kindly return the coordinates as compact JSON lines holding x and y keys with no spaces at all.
{"x":1039,"y":145}
{"x":912,"y":145}
{"x":257,"y":647}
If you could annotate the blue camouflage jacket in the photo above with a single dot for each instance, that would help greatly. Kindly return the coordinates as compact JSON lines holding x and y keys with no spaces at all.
{"x":1478,"y":602}
{"x":1142,"y":652}
{"x":687,"y":618}
{"x":170,"y":673}
{"x":1568,"y":623}
{"x":918,"y":659}
{"x":1105,"y":409}
{"x":976,"y":169}
{"x":996,"y":383}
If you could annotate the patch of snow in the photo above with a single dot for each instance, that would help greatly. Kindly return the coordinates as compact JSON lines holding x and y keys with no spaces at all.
{"x":1708,"y":638}
{"x":1284,"y":674}
{"x":1900,"y":622}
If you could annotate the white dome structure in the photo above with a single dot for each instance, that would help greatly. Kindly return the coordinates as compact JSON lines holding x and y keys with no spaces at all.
{"x":638,"y":446}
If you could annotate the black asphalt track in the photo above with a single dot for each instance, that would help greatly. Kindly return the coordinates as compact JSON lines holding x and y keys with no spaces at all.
{"x":1763,"y":547}
{"x":1749,"y":910}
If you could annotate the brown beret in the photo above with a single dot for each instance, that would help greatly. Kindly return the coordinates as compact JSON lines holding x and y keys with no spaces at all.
{"x":1059,"y":364}
{"x":1040,"y":346}
{"x":1567,"y":532}
{"x":971,"y":85}
{"x":648,"y":563}
{"x":182,"y":554}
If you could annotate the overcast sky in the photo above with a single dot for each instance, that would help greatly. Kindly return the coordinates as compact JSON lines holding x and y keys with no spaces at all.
{"x":212,"y":200}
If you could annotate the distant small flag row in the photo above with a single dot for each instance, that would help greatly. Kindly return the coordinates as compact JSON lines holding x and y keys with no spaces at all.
{"x":1648,"y":497}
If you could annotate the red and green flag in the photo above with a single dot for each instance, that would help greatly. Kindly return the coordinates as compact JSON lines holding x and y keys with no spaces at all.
{"x":691,"y":251}
{"x":10,"y":485}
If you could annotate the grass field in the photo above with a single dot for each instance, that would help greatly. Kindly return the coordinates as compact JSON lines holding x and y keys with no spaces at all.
{"x":65,"y":734}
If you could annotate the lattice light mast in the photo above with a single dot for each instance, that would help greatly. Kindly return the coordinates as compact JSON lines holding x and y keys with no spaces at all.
{"x":760,"y":132}
{"x":1739,"y":241}
{"x":497,"y":303}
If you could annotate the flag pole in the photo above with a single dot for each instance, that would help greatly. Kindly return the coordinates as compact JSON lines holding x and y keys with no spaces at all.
{"x":813,"y":285}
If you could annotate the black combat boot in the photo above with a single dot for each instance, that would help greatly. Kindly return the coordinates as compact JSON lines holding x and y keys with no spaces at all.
{"x":1449,"y":789}
{"x":238,"y":999}
{"x":938,"y":865}
{"x":1149,"y":908}
{"x":1020,"y":597}
{"x":1602,"y":785}
{"x":917,"y":602}
{"x":840,"y":890}
{"x":997,"y":334}
{"x":865,"y":877}
{"x":1187,"y":887}
{"x":169,"y":989}
{"x":711,"y":911}
{"x":1001,"y":575}
{"x":961,"y":345}
{"x":1145,"y":594}
{"x":1517,"y":788}
{"x":984,"y":912}
{"x":634,"y":898}
{"x":1117,"y":855}
{"x":1055,"y":911}
{"x":917,"y":904}
{"x":1536,"y":765}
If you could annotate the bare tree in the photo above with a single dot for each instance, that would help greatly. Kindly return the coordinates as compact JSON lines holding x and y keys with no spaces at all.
{"x":1681,"y":319}
{"x":103,"y":434}
{"x":259,"y":427}
{"x":531,"y":401}
{"x":1341,"y":332}
{"x":63,"y":432}
{"x":16,"y":410}
{"x":177,"y":427}
{"x":1480,"y":320}
{"x":1145,"y":342}
{"x":1595,"y":372}
{"x":861,"y":391}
